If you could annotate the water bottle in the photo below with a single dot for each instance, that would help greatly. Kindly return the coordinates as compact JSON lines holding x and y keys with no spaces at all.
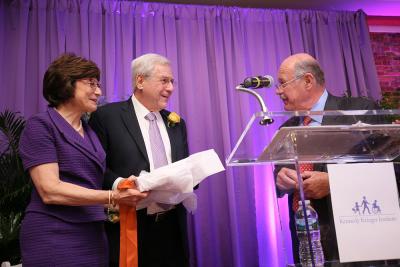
{"x":304,"y":249}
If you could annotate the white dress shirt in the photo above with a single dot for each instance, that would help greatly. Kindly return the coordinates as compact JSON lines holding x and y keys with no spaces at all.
{"x":140,"y":113}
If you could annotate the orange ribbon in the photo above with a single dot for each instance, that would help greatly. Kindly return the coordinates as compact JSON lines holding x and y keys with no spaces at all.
{"x":128,"y":253}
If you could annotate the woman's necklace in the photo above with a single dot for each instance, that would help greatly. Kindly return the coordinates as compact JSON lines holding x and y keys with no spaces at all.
{"x":80,"y":121}
{"x":80,"y":126}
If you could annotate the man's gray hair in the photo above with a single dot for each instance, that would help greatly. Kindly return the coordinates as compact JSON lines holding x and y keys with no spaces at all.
{"x":312,"y":66}
{"x":144,"y":65}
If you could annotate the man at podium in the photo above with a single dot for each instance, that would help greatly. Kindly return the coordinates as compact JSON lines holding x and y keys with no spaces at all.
{"x":301,"y":86}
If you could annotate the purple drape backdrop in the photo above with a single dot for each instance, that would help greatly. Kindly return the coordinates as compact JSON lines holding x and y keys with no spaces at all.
{"x":211,"y":49}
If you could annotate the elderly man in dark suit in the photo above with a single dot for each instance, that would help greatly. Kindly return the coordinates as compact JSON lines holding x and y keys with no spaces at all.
{"x":124,"y":129}
{"x":302,"y":87}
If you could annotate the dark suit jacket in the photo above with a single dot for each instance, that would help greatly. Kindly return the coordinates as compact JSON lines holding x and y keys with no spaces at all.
{"x":323,"y":206}
{"x":118,"y":129}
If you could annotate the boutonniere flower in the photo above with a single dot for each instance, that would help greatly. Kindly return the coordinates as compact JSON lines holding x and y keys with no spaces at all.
{"x":173,"y":119}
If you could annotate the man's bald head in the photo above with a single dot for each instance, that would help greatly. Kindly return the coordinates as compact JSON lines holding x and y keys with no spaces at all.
{"x":301,"y":82}
{"x":303,"y":63}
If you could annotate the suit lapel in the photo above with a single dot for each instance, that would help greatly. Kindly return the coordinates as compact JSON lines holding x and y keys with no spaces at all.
{"x":293,"y":121}
{"x":171,"y":134}
{"x":331,"y":104}
{"x":132,"y":124}
{"x":96,"y":143}
{"x":76,"y":140}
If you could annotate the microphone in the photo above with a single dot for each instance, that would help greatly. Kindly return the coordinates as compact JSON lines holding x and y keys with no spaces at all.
{"x":258,"y":82}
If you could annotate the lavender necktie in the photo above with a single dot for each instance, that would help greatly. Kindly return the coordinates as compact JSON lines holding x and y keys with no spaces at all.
{"x":156,"y":143}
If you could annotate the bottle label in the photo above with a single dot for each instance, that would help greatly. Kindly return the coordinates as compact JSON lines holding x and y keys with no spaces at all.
{"x":312,"y":224}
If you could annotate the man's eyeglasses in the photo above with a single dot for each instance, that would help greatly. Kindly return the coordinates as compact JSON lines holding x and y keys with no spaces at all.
{"x":163,"y":80}
{"x":92,"y":83}
{"x":283,"y":85}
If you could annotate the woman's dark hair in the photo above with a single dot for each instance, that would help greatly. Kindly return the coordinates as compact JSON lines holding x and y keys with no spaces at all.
{"x":59,"y":79}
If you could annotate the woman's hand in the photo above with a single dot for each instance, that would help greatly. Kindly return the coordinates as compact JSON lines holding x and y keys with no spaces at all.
{"x":129,"y":196}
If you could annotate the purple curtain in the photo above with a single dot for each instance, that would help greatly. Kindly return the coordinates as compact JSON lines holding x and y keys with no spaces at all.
{"x":212,"y":49}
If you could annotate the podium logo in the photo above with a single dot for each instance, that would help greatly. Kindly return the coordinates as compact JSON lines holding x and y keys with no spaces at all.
{"x":366,"y":207}
{"x":367,"y":211}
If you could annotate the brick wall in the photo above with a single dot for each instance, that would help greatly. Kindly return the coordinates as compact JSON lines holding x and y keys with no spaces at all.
{"x":386,"y":49}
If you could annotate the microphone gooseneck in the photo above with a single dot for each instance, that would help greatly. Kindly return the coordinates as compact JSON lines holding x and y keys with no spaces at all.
{"x":256,"y":82}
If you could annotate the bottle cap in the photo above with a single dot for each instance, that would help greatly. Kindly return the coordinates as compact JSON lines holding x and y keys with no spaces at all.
{"x":307,"y":201}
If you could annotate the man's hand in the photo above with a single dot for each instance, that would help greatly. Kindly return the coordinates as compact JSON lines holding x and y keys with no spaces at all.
{"x":286,"y":180}
{"x":315,"y":184}
{"x":129,"y":196}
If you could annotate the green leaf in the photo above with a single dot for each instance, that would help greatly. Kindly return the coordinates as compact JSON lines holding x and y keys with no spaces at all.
{"x":15,"y":185}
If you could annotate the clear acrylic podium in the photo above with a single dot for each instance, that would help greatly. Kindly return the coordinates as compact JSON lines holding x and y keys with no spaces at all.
{"x":351,"y":142}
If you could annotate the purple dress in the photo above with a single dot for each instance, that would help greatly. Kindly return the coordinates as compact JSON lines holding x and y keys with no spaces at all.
{"x":58,"y":235}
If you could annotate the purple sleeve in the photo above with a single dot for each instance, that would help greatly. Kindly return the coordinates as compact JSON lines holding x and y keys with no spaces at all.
{"x":37,"y":143}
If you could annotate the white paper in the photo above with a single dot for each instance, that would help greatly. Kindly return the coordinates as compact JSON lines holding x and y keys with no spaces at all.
{"x":173,"y":183}
{"x":366,"y":211}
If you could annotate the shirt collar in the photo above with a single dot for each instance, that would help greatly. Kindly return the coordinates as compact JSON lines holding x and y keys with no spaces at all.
{"x":140,"y":110}
{"x":319,"y":106}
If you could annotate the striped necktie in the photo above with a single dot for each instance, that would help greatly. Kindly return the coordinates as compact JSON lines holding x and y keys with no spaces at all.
{"x":303,"y":167}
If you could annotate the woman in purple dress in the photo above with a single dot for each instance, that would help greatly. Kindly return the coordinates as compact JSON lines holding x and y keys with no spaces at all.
{"x":63,"y":224}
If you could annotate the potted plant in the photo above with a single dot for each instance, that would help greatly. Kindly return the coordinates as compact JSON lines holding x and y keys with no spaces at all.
{"x":15,"y":186}
{"x":391,"y":100}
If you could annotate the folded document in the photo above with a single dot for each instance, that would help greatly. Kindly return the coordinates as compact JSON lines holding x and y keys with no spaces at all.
{"x":173,"y":183}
